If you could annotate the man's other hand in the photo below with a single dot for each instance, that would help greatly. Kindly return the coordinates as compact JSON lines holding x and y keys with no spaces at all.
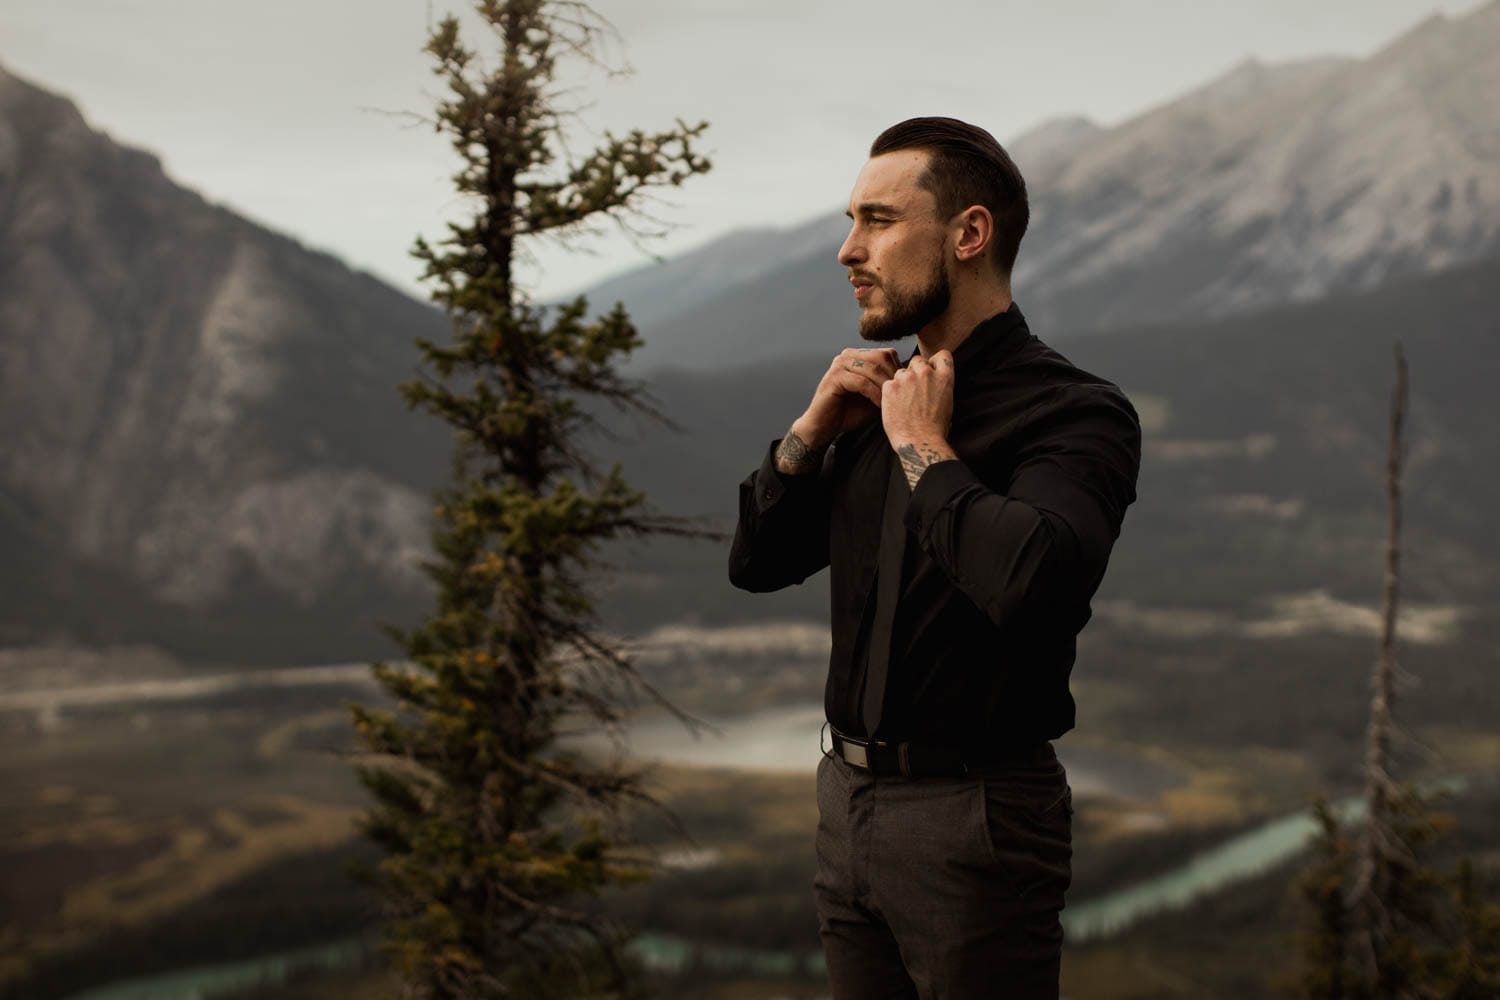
{"x":917,"y":411}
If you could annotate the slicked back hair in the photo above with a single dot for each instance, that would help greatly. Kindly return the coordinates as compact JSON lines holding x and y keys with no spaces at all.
{"x":966,"y":167}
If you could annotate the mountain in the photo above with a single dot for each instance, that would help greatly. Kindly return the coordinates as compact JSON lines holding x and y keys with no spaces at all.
{"x":1051,"y":140}
{"x":690,"y":293}
{"x":200,"y":415}
{"x":675,"y":286}
{"x":204,"y":447}
{"x":1280,"y":184}
{"x":1270,"y":184}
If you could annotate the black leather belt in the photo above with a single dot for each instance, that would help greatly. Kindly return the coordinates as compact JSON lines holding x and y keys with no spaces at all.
{"x":915,"y":760}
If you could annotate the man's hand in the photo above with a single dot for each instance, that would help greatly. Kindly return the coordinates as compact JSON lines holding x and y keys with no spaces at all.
{"x":848,"y":396}
{"x":916,"y":408}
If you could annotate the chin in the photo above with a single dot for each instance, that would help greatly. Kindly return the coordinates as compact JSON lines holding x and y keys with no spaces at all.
{"x":873,"y":329}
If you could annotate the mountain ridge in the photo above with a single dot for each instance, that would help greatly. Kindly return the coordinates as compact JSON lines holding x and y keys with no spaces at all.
{"x":206,"y":442}
{"x":157,"y":354}
{"x":1266,"y":184}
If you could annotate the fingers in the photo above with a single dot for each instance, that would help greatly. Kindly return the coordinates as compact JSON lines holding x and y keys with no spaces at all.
{"x":879,"y":362}
{"x":941,"y":361}
{"x":866,"y":371}
{"x":862,"y":371}
{"x":852,"y":380}
{"x":940,"y":365}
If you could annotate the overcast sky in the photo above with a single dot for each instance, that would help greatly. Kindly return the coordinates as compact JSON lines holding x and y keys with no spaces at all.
{"x":270,"y":106}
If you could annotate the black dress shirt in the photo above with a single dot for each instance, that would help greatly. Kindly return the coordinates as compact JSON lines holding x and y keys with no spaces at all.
{"x":1005,"y":546}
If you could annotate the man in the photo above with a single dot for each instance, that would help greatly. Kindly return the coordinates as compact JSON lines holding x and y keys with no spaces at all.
{"x":965,"y":502}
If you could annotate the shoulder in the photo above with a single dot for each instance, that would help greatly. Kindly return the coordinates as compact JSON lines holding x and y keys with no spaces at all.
{"x":1059,"y":389}
{"x":1083,"y":417}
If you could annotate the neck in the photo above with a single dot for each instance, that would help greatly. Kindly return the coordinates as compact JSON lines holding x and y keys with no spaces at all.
{"x":964,"y":313}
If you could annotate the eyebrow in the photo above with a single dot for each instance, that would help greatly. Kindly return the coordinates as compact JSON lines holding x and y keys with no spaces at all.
{"x":874,"y":208}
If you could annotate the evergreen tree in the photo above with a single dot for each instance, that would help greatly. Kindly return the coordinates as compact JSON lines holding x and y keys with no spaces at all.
{"x":494,"y":835}
{"x":1325,"y":938}
{"x":1441,"y":939}
{"x":1473,"y":966}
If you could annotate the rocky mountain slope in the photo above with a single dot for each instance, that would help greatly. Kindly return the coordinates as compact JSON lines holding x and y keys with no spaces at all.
{"x":197,"y":411}
{"x":1278,"y":183}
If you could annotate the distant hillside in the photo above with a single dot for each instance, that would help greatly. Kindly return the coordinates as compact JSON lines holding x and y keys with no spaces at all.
{"x":1264,"y":458}
{"x":205,"y":449}
{"x":1271,"y":184}
{"x":761,"y":271}
{"x":659,"y":291}
{"x":200,"y":415}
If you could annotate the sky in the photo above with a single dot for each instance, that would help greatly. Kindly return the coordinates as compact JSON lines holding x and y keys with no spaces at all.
{"x":302,"y":114}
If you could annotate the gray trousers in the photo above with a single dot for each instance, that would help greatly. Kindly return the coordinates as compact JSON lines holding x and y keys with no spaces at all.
{"x":943,"y":888}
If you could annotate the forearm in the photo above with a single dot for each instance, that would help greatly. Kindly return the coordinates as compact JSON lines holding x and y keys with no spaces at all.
{"x":917,"y":454}
{"x":797,"y":454}
{"x":1003,"y":553}
{"x":782,"y":534}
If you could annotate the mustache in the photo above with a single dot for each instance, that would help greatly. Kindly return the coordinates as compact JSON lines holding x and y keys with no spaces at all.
{"x":863,"y":276}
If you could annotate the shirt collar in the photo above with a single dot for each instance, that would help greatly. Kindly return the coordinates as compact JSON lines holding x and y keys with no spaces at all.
{"x":988,"y":344}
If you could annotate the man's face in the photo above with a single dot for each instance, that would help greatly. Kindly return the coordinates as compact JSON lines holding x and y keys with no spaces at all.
{"x":895,"y":250}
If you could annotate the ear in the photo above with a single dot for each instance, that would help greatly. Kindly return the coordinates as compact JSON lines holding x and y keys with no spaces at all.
{"x":975,"y":228}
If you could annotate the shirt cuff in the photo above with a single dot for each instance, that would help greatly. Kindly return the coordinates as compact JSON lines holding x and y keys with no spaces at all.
{"x":771,"y":484}
{"x":938,"y":485}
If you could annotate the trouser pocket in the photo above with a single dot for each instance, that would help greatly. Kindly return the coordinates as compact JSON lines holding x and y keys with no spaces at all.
{"x":1028,"y":829}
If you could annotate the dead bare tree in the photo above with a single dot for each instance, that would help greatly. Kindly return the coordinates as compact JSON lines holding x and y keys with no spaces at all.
{"x":1381,"y":843}
{"x":1386,"y":924}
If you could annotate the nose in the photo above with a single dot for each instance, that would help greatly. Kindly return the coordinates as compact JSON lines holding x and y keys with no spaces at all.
{"x":853,"y":251}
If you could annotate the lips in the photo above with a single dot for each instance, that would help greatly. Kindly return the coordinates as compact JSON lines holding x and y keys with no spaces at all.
{"x":862,"y":287}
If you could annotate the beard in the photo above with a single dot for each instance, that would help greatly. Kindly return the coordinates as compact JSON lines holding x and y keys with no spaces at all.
{"x":907,"y":312}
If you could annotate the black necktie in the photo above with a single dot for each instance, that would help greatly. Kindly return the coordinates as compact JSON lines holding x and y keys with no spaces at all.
{"x":887,"y":593}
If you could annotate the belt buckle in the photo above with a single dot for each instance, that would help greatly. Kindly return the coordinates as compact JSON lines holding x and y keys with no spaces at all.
{"x":855,"y":754}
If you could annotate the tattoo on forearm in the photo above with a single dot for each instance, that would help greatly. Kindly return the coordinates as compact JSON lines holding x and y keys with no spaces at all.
{"x":915,"y":459}
{"x":793,"y":454}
